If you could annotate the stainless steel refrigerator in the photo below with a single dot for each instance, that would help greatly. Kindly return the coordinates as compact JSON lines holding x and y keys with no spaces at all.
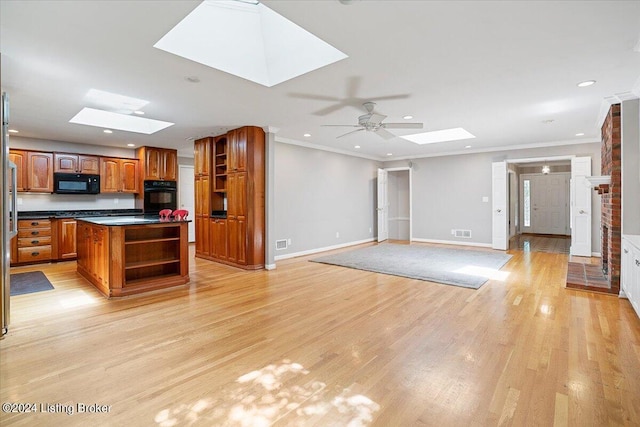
{"x":8,"y":208}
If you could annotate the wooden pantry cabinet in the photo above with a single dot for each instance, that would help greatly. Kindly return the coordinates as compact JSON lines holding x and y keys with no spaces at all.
{"x":76,"y":163}
{"x":158,"y":164}
{"x":237,"y":172}
{"x":119,"y":175}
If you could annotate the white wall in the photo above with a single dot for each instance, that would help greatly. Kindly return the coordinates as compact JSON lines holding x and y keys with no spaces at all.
{"x":399,"y":206}
{"x":448,"y":191}
{"x":318,"y":194}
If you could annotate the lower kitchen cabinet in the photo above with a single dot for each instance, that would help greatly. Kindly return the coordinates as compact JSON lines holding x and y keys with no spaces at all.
{"x":66,"y":239}
{"x":630,"y":270}
{"x":218,"y":229}
{"x":34,"y":240}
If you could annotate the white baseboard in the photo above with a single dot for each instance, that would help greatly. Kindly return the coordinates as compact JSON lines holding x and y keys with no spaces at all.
{"x":269,"y":266}
{"x":326,"y":248}
{"x":452,"y":242}
{"x":596,"y":254}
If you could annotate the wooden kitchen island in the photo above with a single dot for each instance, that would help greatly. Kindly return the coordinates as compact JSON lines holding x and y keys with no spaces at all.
{"x":129,"y":255}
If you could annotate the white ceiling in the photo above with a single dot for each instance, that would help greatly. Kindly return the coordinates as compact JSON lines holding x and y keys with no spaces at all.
{"x":498,"y":69}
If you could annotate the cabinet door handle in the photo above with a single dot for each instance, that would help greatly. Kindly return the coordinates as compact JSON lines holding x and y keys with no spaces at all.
{"x":35,"y":242}
{"x":35,"y":253}
{"x":35,"y":223}
{"x":35,"y":233}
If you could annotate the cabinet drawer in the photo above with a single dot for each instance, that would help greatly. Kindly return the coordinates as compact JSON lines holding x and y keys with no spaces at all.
{"x":34,"y":232}
{"x":35,"y":253}
{"x":28,"y":223}
{"x":26,"y":242}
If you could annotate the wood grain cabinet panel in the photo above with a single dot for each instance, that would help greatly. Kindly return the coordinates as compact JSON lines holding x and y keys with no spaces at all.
{"x":40,"y":172}
{"x":202,"y":156}
{"x":76,"y":163}
{"x":158,"y":164}
{"x":20,"y":159}
{"x":66,"y":238}
{"x":118,"y":175}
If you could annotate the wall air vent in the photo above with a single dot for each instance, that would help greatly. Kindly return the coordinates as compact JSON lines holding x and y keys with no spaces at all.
{"x":466,"y":234}
{"x":281,"y":244}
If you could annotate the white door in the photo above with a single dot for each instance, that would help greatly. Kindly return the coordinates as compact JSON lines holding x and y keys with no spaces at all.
{"x":383,"y":206}
{"x":186,"y":198}
{"x":549,"y":200}
{"x":500,"y":215}
{"x":580,"y":206}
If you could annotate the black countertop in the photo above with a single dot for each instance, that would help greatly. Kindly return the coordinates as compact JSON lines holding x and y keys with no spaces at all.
{"x":78,"y":214}
{"x":129,"y":220}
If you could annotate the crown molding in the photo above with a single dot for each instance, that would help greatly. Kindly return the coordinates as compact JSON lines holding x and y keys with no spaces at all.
{"x":325,"y":148}
{"x":618,"y":98}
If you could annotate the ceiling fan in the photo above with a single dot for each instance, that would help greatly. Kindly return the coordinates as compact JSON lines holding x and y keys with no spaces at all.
{"x":373,"y":122}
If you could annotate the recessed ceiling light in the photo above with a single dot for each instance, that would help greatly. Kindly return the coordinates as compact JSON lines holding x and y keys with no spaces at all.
{"x":580,"y":134}
{"x":131,"y":145}
{"x":140,"y":113}
{"x":444,"y":135}
{"x":586,"y":83}
{"x":548,"y":121}
{"x":357,"y":146}
{"x":389,"y":154}
{"x":408,"y":117}
{"x":307,"y":135}
{"x":13,"y":131}
{"x":467,"y":146}
{"x":107,"y":131}
{"x":248,"y":40}
{"x":107,"y":119}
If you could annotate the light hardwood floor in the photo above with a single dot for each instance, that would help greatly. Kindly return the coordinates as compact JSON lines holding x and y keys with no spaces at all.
{"x":314,"y":345}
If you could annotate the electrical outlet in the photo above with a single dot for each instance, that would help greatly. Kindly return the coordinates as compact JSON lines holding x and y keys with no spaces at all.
{"x":453,"y":232}
{"x":369,"y":230}
{"x":116,"y":201}
{"x":288,"y":242}
{"x":19,"y":200}
{"x":337,"y":234}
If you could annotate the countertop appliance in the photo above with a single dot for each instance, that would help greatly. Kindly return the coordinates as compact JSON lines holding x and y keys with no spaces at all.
{"x":160,"y":195}
{"x":76,"y":183}
{"x":9,"y":213}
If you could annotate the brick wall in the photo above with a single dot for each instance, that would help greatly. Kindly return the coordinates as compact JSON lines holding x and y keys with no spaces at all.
{"x":611,"y":156}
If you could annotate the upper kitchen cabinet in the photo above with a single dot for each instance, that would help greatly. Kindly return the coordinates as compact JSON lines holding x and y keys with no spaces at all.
{"x":158,"y":164}
{"x":76,"y":163}
{"x":118,"y":175}
{"x":202,"y":156}
{"x":20,"y":159}
{"x":34,"y":170}
{"x":237,"y":141}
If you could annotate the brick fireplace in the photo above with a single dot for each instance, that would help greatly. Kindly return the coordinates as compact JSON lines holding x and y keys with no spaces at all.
{"x":611,"y":197}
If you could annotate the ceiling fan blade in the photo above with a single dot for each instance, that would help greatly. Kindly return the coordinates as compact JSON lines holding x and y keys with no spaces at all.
{"x":353,"y":85}
{"x":376,"y":118}
{"x":349,"y":133}
{"x":329,"y":109}
{"x":385,"y":134}
{"x":315,"y":97}
{"x":349,"y":126}
{"x":402,"y":125}
{"x":384,"y":98}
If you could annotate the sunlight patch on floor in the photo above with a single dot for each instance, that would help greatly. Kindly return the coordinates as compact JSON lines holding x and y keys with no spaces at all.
{"x":264,"y":396}
{"x":489,"y":273}
{"x":79,"y":299}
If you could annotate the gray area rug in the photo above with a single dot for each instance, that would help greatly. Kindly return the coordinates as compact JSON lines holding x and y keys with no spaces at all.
{"x":27,"y":283}
{"x":459,"y":267}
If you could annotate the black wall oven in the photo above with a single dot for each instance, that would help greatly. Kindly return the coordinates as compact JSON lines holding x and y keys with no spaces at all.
{"x":159,"y":195}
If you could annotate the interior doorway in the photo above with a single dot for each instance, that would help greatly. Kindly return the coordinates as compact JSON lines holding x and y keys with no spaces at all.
{"x":394,"y":204}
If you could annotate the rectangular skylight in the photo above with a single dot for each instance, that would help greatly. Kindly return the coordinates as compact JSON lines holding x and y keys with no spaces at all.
{"x":453,"y":134}
{"x":114,"y":102}
{"x":248,"y":40}
{"x":107,"y":119}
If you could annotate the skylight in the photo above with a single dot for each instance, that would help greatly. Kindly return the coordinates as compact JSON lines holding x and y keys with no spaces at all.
{"x":453,"y":134}
{"x":114,"y":102}
{"x":248,"y":40}
{"x":107,"y":119}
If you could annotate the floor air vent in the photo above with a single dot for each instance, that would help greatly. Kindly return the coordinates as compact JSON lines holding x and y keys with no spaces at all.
{"x":281,"y":244}
{"x":462,"y":233}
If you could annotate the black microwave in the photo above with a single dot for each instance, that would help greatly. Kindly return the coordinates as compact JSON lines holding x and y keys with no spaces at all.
{"x":76,"y":183}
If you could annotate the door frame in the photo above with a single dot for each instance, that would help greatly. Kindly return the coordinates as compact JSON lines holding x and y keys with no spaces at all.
{"x":397,"y":169}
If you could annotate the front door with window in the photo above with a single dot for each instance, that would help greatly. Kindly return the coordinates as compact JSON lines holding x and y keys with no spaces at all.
{"x":545,"y":203}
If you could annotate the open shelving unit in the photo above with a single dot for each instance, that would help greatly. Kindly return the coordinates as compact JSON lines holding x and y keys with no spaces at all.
{"x":220,"y":164}
{"x":151,"y":252}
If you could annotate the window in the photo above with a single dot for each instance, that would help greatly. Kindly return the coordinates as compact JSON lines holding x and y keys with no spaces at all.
{"x":526,"y":190}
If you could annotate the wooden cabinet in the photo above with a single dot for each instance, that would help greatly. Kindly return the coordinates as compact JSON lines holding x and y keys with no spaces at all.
{"x":202,"y":191}
{"x":66,"y":239}
{"x":39,"y":172}
{"x":202,"y":156}
{"x":20,"y":159}
{"x":218,"y":238}
{"x":630,"y":270}
{"x":93,"y":254}
{"x":34,"y":240}
{"x":34,"y":170}
{"x":220,"y":157}
{"x":158,"y":164}
{"x":118,"y":175}
{"x":238,"y":174}
{"x":76,"y":163}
